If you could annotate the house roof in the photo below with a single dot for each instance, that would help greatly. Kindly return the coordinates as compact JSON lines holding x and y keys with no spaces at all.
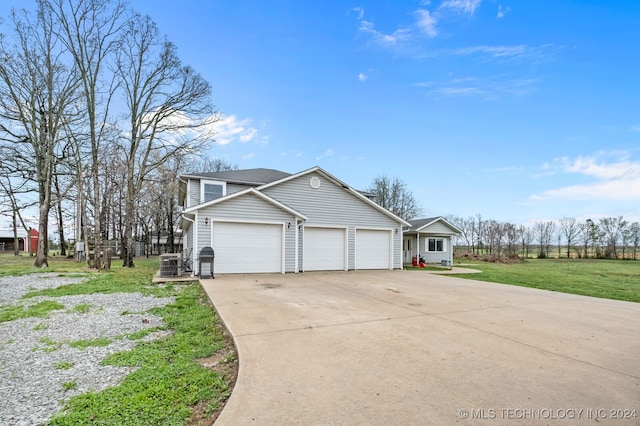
{"x":418,"y":225}
{"x":265,"y":178}
{"x":250,"y":177}
{"x":8,"y":234}
{"x":246,"y":176}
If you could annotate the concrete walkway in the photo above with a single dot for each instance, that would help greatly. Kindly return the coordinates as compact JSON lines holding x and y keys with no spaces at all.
{"x":413,"y":348}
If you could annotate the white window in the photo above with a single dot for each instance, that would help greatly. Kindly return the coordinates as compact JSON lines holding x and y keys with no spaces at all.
{"x":435,"y":244}
{"x":211,"y":190}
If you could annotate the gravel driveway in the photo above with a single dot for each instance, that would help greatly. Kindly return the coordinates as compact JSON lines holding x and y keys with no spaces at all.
{"x":39,"y":370}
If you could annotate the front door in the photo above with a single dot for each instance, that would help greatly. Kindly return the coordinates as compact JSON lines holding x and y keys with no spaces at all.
{"x":407,"y":244}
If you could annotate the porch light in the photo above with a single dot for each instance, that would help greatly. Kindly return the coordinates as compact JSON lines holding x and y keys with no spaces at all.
{"x":206,"y":221}
{"x":288,"y":225}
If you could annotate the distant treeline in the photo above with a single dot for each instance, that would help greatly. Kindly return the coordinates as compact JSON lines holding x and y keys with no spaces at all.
{"x":606,"y":238}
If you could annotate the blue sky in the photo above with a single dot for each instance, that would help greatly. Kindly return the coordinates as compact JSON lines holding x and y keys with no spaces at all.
{"x":518,"y":110}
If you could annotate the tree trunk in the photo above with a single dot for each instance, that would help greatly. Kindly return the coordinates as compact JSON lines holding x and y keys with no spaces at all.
{"x":16,"y":242}
{"x":63,"y":250}
{"x":43,"y":241}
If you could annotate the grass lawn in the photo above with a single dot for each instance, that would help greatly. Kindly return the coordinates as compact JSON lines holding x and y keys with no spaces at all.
{"x":609,"y":279}
{"x":169,"y":385}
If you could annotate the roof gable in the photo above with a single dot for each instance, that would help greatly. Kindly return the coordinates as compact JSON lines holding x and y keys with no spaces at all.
{"x":251,"y":191}
{"x":422,"y":225}
{"x":339,"y":183}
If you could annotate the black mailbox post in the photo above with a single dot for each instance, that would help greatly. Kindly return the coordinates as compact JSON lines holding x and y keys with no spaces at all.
{"x":206,"y":256}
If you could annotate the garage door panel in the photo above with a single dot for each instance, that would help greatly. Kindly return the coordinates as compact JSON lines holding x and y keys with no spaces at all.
{"x":247,"y":247}
{"x":373,"y":249}
{"x":324,"y":249}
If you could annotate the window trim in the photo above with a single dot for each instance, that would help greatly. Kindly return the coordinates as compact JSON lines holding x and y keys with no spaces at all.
{"x":427,"y":241}
{"x":203,"y":183}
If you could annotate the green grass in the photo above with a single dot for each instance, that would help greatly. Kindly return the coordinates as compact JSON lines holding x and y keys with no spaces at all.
{"x":71,"y":385}
{"x":23,"y":264}
{"x":62,"y":365}
{"x":82,"y":308}
{"x":426,"y":268}
{"x":41,"y":326}
{"x":85,"y":343}
{"x":166,"y":381}
{"x":610,"y":279}
{"x":40,"y":310}
{"x":50,"y":345}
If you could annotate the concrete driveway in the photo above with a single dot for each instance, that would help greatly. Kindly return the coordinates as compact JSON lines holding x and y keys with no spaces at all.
{"x":410,"y":347}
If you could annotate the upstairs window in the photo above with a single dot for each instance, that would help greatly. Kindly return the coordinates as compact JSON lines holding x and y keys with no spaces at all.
{"x":435,"y":244}
{"x":210,"y":190}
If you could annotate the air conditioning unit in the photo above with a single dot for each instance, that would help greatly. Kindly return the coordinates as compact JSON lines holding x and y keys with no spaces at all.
{"x":170,"y":265}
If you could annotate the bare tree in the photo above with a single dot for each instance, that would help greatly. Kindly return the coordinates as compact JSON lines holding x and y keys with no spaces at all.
{"x":466,"y":226}
{"x":90,"y":31}
{"x":544,"y":232}
{"x":634,"y":231}
{"x":36,"y":91}
{"x":393,"y":195}
{"x":12,"y":202}
{"x":526,"y":238}
{"x":495,"y":234}
{"x":613,"y":228}
{"x":168,"y":105}
{"x":512,"y":234}
{"x":570,"y":229}
{"x":593,"y":237}
{"x":210,"y":164}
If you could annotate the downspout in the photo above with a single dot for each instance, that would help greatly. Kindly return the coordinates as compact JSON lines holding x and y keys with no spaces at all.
{"x":193,"y":240}
{"x":296,"y":265}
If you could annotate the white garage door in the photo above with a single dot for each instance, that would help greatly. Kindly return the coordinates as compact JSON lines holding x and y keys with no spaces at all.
{"x":247,"y":247}
{"x":373,"y":249}
{"x":324,"y":249}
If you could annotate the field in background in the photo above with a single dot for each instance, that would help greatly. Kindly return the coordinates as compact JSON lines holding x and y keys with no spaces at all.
{"x":610,"y":279}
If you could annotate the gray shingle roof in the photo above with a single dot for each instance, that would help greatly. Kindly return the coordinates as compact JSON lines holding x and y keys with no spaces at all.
{"x":419,"y":223}
{"x":247,"y":176}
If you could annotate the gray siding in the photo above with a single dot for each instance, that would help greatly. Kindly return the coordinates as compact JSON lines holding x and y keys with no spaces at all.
{"x":232,"y":188}
{"x":194,"y":193}
{"x":252,"y":209}
{"x":331,"y":204}
{"x":437,"y":256}
{"x":437,"y":228}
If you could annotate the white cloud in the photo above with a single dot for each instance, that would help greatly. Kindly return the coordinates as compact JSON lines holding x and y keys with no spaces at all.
{"x":502,"y":12}
{"x":465,"y":6}
{"x":230,"y":129}
{"x":362,"y":76}
{"x":248,"y":156}
{"x":495,"y":51}
{"x":426,"y":22}
{"x":399,"y":35}
{"x":635,"y":128}
{"x":519,"y":52}
{"x":610,"y":180}
{"x":360,"y":11}
{"x":327,"y":153}
{"x":487,"y":89}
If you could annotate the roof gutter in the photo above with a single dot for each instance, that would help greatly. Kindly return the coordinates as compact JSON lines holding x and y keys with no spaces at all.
{"x":184,"y":217}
